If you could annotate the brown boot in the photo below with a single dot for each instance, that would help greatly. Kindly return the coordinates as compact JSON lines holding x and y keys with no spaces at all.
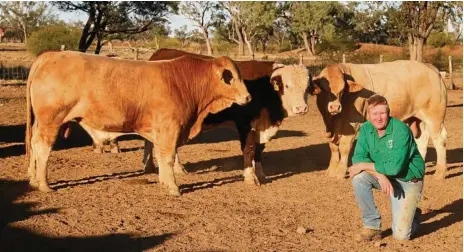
{"x":367,"y":234}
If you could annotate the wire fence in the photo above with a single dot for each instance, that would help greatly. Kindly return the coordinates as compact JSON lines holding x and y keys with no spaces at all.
{"x":16,"y":72}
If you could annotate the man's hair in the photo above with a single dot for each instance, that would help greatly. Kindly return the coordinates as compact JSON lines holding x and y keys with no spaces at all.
{"x":377,"y":100}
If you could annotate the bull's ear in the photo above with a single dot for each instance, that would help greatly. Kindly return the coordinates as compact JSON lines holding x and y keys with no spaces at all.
{"x":353,"y":87}
{"x":276,"y":66}
{"x":277,"y":83}
{"x":314,"y":87}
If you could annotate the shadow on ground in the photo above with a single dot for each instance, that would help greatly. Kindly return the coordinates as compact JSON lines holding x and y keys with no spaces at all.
{"x":13,"y":238}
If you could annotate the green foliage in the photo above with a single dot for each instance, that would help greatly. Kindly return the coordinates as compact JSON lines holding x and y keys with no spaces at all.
{"x":394,"y":42}
{"x":439,"y":60}
{"x":265,"y":57}
{"x":440,"y":39}
{"x":221,"y":47}
{"x":170,"y":43}
{"x":336,"y":44}
{"x":24,"y":17}
{"x":286,"y":46}
{"x":51,"y":38}
{"x":288,"y":60}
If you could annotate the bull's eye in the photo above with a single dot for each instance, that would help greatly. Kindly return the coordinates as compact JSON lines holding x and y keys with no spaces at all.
{"x":286,"y":86}
{"x":227,"y":77}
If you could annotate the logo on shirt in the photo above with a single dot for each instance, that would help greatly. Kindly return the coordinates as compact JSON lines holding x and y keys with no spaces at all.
{"x":390,"y":143}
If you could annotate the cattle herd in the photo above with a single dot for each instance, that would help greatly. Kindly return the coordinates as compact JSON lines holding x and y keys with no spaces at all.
{"x":173,"y":96}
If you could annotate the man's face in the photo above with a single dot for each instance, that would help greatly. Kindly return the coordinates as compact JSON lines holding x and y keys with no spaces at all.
{"x":378,"y":116}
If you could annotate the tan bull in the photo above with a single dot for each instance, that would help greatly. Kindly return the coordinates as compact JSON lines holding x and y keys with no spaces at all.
{"x":415,"y":92}
{"x":164,"y":102}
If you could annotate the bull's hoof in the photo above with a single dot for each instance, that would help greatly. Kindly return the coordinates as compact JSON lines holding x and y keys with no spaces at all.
{"x":439,"y":175}
{"x":174,"y":192}
{"x":330,"y":171}
{"x":98,"y":150}
{"x":45,"y":188}
{"x":149,"y":169}
{"x":33,"y":183}
{"x":250,"y":176}
{"x":339,"y":175}
{"x":180,"y":169}
{"x":252,"y":181}
{"x":115,"y":150}
{"x":259,"y":173}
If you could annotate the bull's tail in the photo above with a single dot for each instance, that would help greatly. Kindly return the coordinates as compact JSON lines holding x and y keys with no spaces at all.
{"x":29,"y":111}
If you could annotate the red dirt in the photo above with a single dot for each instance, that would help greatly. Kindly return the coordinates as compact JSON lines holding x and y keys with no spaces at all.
{"x":104,"y":203}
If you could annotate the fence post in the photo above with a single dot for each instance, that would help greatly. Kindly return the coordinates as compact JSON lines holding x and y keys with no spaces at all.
{"x":253,"y":56}
{"x":381,"y":58}
{"x":136,"y":54}
{"x":343,"y":58}
{"x":301,"y":58}
{"x":450,"y":62}
{"x":62,"y":47}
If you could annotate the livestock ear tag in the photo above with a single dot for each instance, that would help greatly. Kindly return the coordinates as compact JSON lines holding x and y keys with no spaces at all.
{"x":276,"y":87}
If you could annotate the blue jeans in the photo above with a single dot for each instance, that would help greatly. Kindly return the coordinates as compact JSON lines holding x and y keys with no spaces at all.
{"x":404,"y":203}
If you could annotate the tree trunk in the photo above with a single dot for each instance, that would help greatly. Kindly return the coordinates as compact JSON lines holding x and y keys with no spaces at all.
{"x":208,"y":43}
{"x":304,"y":35}
{"x":250,"y":50}
{"x":24,"y":31}
{"x":99,"y":46}
{"x":157,"y":43}
{"x":313,"y":45}
{"x":412,"y":47}
{"x":241,"y":48}
{"x":419,"y":48}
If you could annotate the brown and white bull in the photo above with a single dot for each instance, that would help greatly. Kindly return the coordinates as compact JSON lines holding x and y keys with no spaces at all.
{"x":277,"y":91}
{"x":415,"y":92}
{"x":164,"y":102}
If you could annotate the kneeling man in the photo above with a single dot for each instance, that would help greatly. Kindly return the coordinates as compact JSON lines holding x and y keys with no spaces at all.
{"x":386,"y":158}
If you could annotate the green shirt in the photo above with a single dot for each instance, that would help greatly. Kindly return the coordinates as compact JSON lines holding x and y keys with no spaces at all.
{"x":395,"y":154}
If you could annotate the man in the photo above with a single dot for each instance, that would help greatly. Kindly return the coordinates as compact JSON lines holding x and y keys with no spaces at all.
{"x":386,"y":158}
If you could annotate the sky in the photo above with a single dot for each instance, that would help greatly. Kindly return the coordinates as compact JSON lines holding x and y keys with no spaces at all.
{"x":175,"y":21}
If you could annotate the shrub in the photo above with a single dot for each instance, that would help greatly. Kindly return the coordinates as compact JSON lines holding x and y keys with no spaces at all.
{"x":51,"y":38}
{"x":336,"y":44}
{"x":394,"y":42}
{"x":286,"y":46}
{"x":170,"y":43}
{"x":440,"y":39}
{"x":221,"y":47}
{"x":288,"y":60}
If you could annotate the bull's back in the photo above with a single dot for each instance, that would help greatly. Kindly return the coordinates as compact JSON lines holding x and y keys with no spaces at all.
{"x":407,"y":85}
{"x":98,"y":89}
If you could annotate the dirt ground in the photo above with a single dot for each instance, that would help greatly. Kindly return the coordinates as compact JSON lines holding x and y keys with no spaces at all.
{"x":104,"y":202}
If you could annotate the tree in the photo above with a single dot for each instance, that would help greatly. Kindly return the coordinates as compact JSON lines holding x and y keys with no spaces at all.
{"x":201,"y":14}
{"x":159,"y":32}
{"x":183,"y":36}
{"x":369,"y":22}
{"x":117,"y":20}
{"x":26,"y":16}
{"x":249,"y":20}
{"x":421,"y":18}
{"x":309,"y":19}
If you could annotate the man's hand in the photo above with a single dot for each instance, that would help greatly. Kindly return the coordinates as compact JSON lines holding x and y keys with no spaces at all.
{"x":354,"y":170}
{"x":385,"y":184}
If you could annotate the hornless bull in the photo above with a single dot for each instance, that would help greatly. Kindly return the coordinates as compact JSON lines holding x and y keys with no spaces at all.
{"x":164,"y":102}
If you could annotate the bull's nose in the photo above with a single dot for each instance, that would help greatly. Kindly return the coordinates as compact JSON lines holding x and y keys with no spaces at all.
{"x":248,"y":98}
{"x":301,"y":109}
{"x":334,"y":108}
